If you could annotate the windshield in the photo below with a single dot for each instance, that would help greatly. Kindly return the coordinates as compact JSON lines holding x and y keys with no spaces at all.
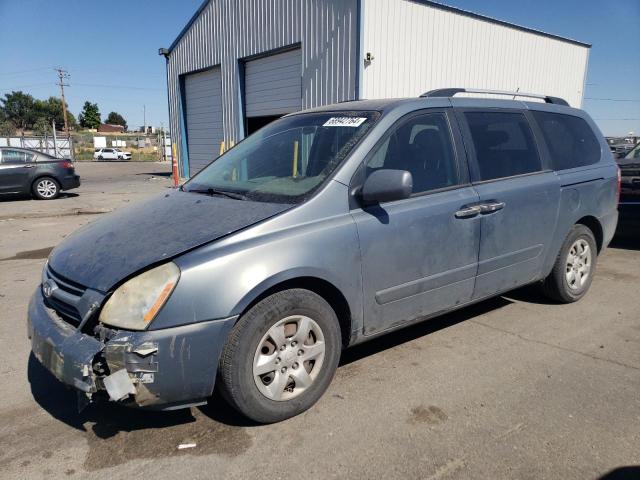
{"x":286,"y":161}
{"x":633,"y":154}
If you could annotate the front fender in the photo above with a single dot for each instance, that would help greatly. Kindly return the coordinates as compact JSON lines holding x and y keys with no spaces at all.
{"x":220,"y":280}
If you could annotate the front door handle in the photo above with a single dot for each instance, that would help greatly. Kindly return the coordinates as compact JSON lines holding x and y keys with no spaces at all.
{"x":29,"y":166}
{"x":468,"y":211}
{"x":491,"y":207}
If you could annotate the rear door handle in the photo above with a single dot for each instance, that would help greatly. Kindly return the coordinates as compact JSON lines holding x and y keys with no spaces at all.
{"x":491,"y":207}
{"x":468,"y":211}
{"x":29,"y":166}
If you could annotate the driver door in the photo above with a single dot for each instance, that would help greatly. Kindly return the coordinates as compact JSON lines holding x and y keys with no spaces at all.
{"x":419,"y":255}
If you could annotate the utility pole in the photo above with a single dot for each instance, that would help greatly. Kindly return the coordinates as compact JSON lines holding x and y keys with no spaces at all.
{"x":144,"y":115}
{"x":62,"y":76}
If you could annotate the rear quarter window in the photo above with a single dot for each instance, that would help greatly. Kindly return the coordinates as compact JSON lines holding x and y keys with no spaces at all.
{"x":570,"y":140}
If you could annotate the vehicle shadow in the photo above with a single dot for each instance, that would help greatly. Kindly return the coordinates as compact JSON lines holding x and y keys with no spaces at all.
{"x":627,"y":235}
{"x":418,"y":330}
{"x":107,"y":419}
{"x":622,"y":473}
{"x":155,"y":174}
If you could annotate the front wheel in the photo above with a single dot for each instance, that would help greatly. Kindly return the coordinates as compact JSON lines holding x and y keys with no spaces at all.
{"x":46,"y":188}
{"x":281,"y":356}
{"x":575,"y":266}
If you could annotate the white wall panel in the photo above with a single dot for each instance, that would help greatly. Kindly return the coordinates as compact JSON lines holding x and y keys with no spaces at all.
{"x":420,"y":47}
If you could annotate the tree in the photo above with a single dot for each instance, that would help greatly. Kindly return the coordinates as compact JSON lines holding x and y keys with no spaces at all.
{"x":51,"y":110}
{"x":115,"y":118}
{"x":19,"y":109}
{"x":90,"y":116}
{"x":7,"y":128}
{"x":42,"y":126}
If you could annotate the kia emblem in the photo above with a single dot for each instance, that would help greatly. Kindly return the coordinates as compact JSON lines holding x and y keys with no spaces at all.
{"x":48,"y":287}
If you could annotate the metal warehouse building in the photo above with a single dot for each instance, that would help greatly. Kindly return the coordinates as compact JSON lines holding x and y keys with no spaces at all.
{"x":239,"y":64}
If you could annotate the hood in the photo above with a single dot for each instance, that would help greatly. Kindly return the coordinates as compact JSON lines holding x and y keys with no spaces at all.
{"x":104,"y":252}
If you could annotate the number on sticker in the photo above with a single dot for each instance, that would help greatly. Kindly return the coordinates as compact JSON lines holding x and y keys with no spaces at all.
{"x":344,"y":122}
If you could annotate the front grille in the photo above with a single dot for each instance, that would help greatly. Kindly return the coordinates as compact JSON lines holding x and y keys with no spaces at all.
{"x":65,"y":301}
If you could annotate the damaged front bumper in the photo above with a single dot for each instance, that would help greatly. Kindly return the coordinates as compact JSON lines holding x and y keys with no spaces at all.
{"x":164,"y":369}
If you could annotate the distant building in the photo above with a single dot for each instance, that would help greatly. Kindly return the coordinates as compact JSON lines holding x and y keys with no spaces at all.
{"x":110,"y":128}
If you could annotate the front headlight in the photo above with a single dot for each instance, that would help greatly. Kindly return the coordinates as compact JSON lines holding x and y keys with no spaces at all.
{"x":136,"y":302}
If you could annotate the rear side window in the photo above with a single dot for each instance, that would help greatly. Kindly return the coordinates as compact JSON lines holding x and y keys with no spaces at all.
{"x":503,"y":143}
{"x":570,"y":140}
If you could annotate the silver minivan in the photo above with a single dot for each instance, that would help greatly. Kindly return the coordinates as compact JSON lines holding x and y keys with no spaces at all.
{"x":324,"y":229}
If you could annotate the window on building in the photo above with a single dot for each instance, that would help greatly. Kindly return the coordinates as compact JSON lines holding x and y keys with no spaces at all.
{"x":422,"y":145}
{"x":503,"y":143}
{"x":570,"y":140}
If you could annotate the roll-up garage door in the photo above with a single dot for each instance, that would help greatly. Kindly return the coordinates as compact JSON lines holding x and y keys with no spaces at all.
{"x":203,"y":109}
{"x":273,"y":84}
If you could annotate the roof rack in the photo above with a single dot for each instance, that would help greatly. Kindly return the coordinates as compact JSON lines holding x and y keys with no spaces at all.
{"x":450,"y":92}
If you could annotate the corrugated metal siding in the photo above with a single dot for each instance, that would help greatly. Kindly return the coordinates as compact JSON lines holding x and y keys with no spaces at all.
{"x":203,"y":112}
{"x":228,"y":30}
{"x":272,"y":84}
{"x":419,"y":47}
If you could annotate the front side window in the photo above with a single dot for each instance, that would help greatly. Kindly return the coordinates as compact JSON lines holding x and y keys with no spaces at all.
{"x":421,"y":145}
{"x":570,"y":140}
{"x":286,"y":161}
{"x":503,"y":143}
{"x":13,"y":156}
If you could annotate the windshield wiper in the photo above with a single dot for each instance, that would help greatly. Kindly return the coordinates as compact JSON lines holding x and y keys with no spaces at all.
{"x":213,"y":191}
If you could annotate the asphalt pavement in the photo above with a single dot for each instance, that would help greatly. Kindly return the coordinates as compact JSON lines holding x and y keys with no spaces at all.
{"x":511,"y":388}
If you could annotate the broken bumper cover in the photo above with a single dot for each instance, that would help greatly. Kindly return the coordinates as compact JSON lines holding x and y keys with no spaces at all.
{"x":163,"y":369}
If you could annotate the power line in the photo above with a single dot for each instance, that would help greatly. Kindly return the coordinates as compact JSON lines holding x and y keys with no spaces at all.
{"x":15,"y":87}
{"x":21,"y":72}
{"x":123,"y":87}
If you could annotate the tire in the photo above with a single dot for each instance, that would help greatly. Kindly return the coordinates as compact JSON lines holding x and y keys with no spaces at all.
{"x":245,"y":378}
{"x":100,"y":158}
{"x":46,"y":188}
{"x":574,"y":268}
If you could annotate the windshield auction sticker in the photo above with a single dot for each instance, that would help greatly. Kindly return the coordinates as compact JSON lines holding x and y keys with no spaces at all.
{"x":344,"y":122}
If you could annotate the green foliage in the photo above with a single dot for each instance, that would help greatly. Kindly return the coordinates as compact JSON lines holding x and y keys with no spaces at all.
{"x":115,"y":118}
{"x":25,"y":112}
{"x":90,"y":116}
{"x":7,"y":128}
{"x":51,"y":109}
{"x":19,"y":109}
{"x":42,"y":126}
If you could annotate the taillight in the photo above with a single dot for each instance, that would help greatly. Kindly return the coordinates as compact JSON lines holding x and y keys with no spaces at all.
{"x":66,"y":164}
{"x":618,"y":190}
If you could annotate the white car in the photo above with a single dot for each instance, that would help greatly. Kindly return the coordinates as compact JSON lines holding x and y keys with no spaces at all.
{"x":111,"y":154}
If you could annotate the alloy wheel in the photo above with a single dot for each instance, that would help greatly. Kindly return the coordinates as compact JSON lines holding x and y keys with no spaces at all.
{"x":47,"y":188}
{"x":578,"y":264}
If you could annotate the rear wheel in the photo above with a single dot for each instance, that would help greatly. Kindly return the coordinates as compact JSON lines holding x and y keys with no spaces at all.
{"x":575,"y":266}
{"x":281,"y":356}
{"x":46,"y":188}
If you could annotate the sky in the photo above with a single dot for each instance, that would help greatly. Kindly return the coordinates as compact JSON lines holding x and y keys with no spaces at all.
{"x":110,"y":50}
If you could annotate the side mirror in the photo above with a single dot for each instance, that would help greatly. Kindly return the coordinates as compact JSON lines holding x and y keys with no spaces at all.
{"x":387,"y":185}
